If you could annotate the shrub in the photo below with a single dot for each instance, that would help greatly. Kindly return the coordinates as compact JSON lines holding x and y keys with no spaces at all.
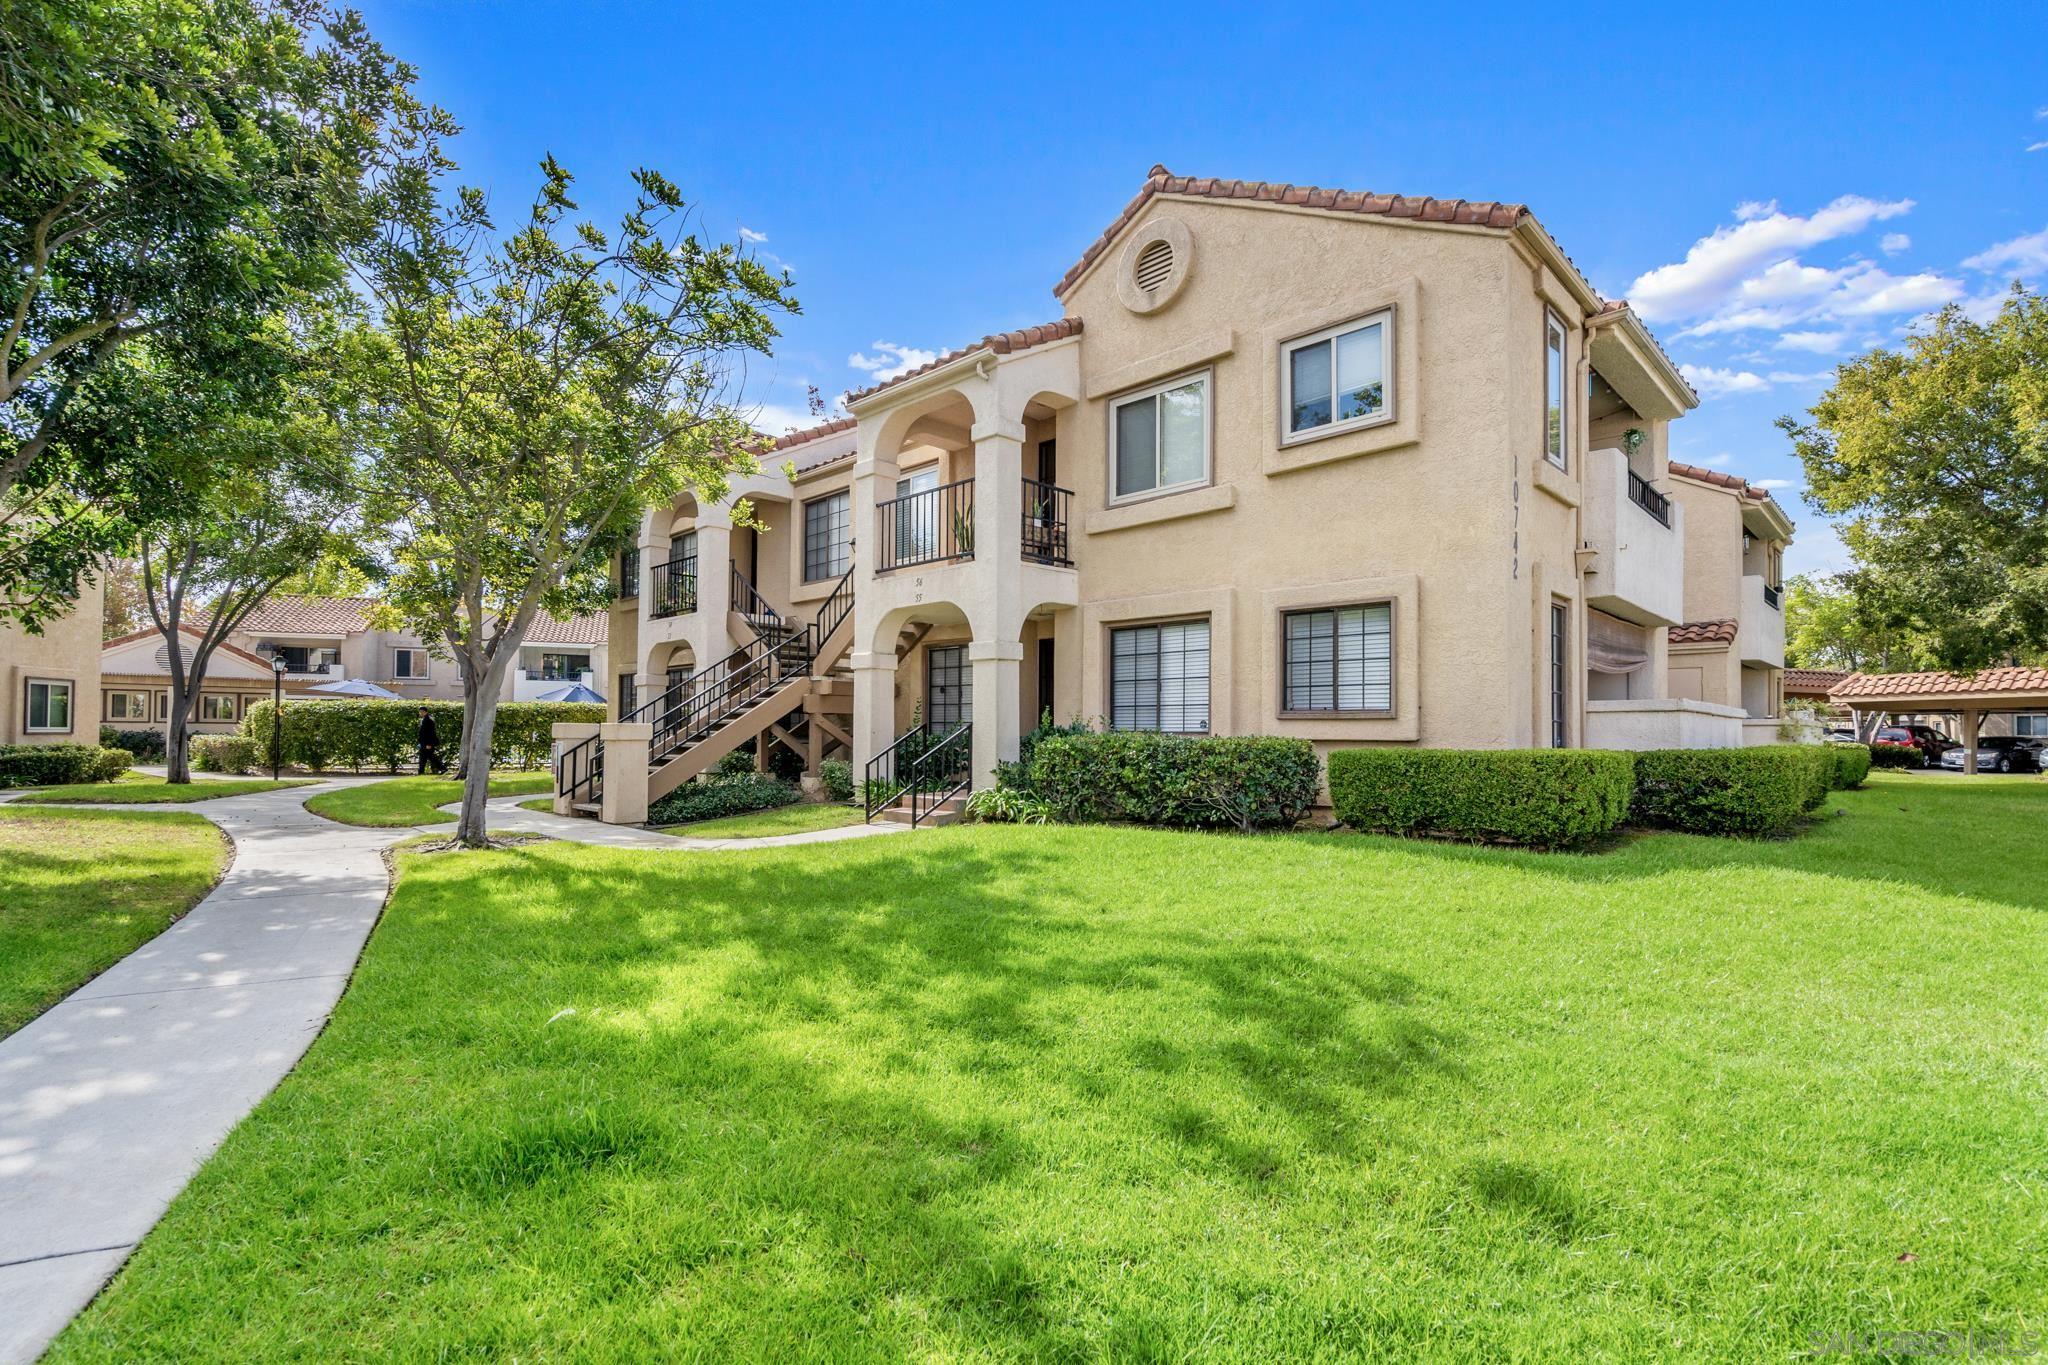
{"x":361,"y":733}
{"x":1763,"y":790}
{"x":57,"y":765}
{"x":1243,"y":782}
{"x":836,"y":776}
{"x":146,"y":745}
{"x":1545,"y":798}
{"x":227,"y":753}
{"x":1886,"y":753}
{"x":715,"y":796}
{"x":1007,"y":805}
{"x":1852,"y":765}
{"x":1017,"y":776}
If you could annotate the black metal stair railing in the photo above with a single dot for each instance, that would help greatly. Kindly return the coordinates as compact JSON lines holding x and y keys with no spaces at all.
{"x":925,"y":764}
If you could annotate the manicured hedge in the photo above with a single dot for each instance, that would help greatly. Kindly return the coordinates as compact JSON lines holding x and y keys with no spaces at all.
{"x":1546,"y":798}
{"x":146,"y":745}
{"x":1761,"y":790}
{"x":227,"y":753}
{"x":1887,"y":753}
{"x":1243,"y":782}
{"x":1852,"y":765}
{"x":363,"y":733}
{"x":58,"y":765}
{"x":716,"y":796}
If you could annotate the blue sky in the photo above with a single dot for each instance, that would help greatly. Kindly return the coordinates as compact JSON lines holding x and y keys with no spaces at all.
{"x":1776,"y":188}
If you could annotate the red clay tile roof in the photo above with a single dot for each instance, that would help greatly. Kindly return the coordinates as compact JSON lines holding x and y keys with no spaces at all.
{"x":309,"y":615}
{"x":1719,"y":480}
{"x":1991,"y":680}
{"x":809,"y":460}
{"x":999,"y":343}
{"x":592,"y":628}
{"x":1464,"y":212}
{"x":1812,"y":682}
{"x":1703,"y":633}
{"x":184,"y":628}
{"x":1612,"y":307}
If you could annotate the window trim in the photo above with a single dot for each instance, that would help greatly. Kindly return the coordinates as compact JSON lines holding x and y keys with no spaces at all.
{"x":1109,"y":667}
{"x":964,"y":685}
{"x":1393,"y":705}
{"x":396,"y":676}
{"x":70,"y":686}
{"x":1207,"y":375}
{"x":1385,"y":316}
{"x":107,"y":703}
{"x":1552,"y":323}
{"x":233,"y":710}
{"x":804,"y":547}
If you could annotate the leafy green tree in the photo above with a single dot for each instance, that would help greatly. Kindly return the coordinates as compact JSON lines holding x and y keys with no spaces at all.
{"x":1937,"y":456}
{"x":277,"y":507}
{"x":522,"y":402}
{"x":172,"y":171}
{"x":1828,"y":625}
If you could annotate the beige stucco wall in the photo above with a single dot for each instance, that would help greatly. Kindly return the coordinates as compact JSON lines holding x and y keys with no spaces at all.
{"x":68,"y":649}
{"x":1438,"y":510}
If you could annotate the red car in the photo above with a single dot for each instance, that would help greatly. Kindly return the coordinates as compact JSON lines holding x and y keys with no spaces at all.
{"x":1931,"y":742}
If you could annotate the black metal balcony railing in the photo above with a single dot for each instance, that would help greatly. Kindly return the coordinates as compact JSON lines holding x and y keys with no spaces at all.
{"x":1649,"y":499}
{"x":1774,"y":597}
{"x":927,"y":528}
{"x":675,"y":587}
{"x":1045,"y":522}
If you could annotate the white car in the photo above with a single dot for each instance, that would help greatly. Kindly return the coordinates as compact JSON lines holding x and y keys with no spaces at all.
{"x":1998,"y":754}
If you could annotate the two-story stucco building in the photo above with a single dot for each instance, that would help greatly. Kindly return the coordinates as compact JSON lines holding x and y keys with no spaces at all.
{"x":52,"y":677}
{"x":1350,"y":467}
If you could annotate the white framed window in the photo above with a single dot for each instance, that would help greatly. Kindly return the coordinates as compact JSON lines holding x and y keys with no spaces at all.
{"x":1339,"y":659}
{"x":216,"y":706}
{"x":128,"y":706}
{"x":1159,"y":677}
{"x":1338,"y":378}
{"x":1554,"y":425}
{"x":409,"y":665}
{"x":1159,"y":439}
{"x":49,"y":706}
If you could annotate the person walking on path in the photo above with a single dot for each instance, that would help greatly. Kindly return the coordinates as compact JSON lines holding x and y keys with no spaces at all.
{"x":430,"y":745}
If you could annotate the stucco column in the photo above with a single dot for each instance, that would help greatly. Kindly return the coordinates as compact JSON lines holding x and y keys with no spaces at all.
{"x":874,"y":481}
{"x":1972,"y":719}
{"x":997,"y":700}
{"x":874,"y":707}
{"x":624,"y":801}
{"x":574,"y":761}
{"x":647,"y":684}
{"x":999,"y":514}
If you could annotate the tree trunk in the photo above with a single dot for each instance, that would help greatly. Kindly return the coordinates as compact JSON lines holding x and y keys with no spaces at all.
{"x":479,"y":720}
{"x":177,"y":763}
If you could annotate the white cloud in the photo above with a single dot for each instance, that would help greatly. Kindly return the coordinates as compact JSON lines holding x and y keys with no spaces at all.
{"x":2022,"y":254}
{"x":1892,"y":243}
{"x":1820,"y":343}
{"x":1790,"y":377}
{"x":747,"y":234}
{"x":1771,"y":485}
{"x":779,"y":419}
{"x":1715,"y":383}
{"x":894,"y":360}
{"x":1717,"y":266}
{"x":2037,"y":146}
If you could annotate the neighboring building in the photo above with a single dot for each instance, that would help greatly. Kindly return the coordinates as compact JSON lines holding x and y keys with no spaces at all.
{"x":329,"y":639}
{"x":1349,"y":467}
{"x":52,"y":679}
{"x":135,"y":674}
{"x":1731,"y":649}
{"x":1806,"y":689}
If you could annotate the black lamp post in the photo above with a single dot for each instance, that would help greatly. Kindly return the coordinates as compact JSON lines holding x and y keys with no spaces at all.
{"x":277,"y":667}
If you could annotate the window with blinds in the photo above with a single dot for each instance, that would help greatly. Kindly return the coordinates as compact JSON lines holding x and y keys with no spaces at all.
{"x":1339,"y":659}
{"x":1159,"y":677}
{"x":827,"y":527}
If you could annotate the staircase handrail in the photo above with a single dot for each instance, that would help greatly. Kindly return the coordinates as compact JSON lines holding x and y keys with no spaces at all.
{"x":926,"y":773}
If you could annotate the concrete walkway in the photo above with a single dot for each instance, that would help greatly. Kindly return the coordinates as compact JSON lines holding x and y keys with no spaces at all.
{"x":111,"y":1100}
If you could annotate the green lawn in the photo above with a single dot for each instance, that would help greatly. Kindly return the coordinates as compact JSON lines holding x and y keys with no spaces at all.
{"x":147,"y":789}
{"x":993,"y":1092}
{"x":413,"y":800}
{"x":797,"y":819}
{"x":81,"y":889}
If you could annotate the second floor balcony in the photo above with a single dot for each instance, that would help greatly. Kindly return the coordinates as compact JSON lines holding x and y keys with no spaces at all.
{"x":1760,"y":622}
{"x":672,"y":587}
{"x":1637,"y":535}
{"x":936,"y":525}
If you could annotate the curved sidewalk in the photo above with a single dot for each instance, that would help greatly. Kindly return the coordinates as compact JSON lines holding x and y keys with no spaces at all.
{"x":110,"y":1101}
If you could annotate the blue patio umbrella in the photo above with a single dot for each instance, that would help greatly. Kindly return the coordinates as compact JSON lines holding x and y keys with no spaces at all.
{"x":352,"y":687}
{"x":573,"y":692}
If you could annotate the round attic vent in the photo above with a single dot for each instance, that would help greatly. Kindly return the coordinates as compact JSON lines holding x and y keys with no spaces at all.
{"x":1155,"y":264}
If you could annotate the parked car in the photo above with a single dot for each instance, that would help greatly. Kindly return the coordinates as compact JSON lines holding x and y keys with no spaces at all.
{"x":1931,"y":742}
{"x":1839,"y":735}
{"x":1999,"y":754}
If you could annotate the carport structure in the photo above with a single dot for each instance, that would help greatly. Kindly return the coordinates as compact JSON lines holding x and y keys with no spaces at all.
{"x":1972,"y":696}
